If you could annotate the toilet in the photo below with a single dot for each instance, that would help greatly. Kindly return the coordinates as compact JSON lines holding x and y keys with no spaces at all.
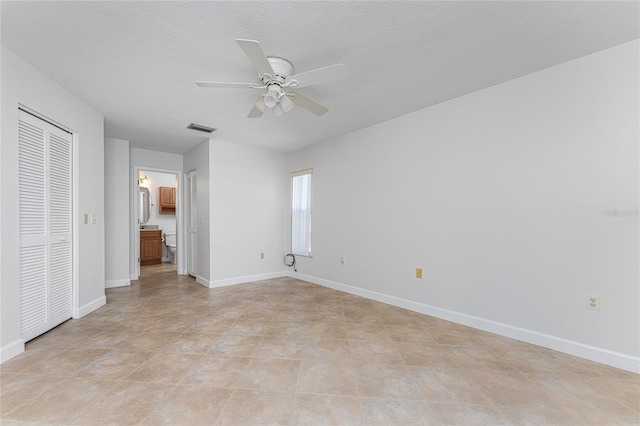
{"x":170,"y":242}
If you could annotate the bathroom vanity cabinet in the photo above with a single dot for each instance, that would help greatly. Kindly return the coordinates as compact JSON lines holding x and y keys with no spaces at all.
{"x":167,"y":200}
{"x":150,"y":247}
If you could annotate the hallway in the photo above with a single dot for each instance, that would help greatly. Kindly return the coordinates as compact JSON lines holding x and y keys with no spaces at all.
{"x":282,"y":351}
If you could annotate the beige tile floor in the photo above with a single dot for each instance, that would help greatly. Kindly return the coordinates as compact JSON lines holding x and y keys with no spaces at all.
{"x":169,"y":351}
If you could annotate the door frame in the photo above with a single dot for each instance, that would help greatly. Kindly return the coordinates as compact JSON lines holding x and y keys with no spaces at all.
{"x":191,"y":252}
{"x":134,"y":262}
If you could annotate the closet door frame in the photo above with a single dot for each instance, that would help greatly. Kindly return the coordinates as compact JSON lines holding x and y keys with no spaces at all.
{"x":191,"y":222}
{"x":74,"y":215}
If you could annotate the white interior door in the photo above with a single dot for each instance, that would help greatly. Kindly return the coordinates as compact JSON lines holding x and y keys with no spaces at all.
{"x":192,"y":223}
{"x":45,"y":203}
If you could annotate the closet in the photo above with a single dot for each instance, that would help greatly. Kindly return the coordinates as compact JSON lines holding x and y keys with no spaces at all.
{"x":45,"y":205}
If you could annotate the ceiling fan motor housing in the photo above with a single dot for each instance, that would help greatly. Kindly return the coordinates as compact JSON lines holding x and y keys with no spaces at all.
{"x":281,"y":68}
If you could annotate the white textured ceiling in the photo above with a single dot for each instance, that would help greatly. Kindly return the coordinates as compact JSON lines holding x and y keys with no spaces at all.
{"x":136,"y":62}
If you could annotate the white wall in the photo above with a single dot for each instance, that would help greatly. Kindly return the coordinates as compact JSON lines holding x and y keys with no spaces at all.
{"x":23,"y":84}
{"x":154,"y":160}
{"x":249,"y":193}
{"x":198,"y":159}
{"x":116,"y":206}
{"x":503,"y":197}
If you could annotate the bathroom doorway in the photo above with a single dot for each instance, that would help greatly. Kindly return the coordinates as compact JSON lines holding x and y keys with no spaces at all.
{"x":156,"y":221}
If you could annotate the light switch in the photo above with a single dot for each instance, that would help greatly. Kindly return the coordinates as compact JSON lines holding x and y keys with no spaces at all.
{"x":93,"y":218}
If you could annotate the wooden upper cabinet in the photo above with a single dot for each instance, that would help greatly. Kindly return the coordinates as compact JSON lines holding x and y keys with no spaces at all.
{"x":167,"y":200}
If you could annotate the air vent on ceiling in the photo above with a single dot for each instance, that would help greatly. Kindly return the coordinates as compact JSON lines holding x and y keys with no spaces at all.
{"x":201,"y":128}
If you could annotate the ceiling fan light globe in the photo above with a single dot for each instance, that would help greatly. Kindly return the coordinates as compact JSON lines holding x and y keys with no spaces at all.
{"x":278,"y":110}
{"x":270,"y":101}
{"x":286,"y":103}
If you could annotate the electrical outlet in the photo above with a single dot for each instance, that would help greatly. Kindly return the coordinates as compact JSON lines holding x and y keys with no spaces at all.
{"x":593,"y":302}
{"x":418,"y":272}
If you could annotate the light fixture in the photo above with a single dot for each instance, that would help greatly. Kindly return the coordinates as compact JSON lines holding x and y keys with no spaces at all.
{"x":143,"y":180}
{"x":273,"y":94}
{"x":278,"y":109}
{"x":286,"y":103}
{"x":277,"y":99}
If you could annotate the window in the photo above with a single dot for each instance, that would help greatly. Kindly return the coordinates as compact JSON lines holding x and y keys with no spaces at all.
{"x":301,"y":213}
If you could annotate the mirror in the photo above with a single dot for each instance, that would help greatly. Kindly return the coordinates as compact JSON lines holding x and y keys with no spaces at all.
{"x":144,"y":207}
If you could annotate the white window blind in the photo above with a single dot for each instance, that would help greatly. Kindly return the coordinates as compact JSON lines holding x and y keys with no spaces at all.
{"x":301,"y":212}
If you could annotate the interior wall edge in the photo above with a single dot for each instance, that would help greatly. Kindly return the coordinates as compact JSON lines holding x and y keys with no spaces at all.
{"x":202,"y":281}
{"x":86,"y":309}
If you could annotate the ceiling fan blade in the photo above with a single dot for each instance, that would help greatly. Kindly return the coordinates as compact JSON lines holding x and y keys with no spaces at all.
{"x":256,"y":55}
{"x":225,"y":85}
{"x":258,"y":108}
{"x":306,"y":103}
{"x":320,"y":75}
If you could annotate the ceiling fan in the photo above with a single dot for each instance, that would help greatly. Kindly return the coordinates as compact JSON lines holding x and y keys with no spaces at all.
{"x":276,"y":76}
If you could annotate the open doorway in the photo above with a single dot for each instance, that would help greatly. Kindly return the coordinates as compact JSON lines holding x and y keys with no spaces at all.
{"x":157,"y":221}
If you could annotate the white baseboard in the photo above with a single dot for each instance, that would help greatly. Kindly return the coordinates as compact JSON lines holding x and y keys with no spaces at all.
{"x":89,"y":307}
{"x":202,"y":280}
{"x":117,"y":283}
{"x":12,"y":349}
{"x":133,"y":277}
{"x":246,"y":279}
{"x":603,"y":356}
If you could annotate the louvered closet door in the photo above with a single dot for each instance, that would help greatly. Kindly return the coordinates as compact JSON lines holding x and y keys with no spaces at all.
{"x":45,"y":186}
